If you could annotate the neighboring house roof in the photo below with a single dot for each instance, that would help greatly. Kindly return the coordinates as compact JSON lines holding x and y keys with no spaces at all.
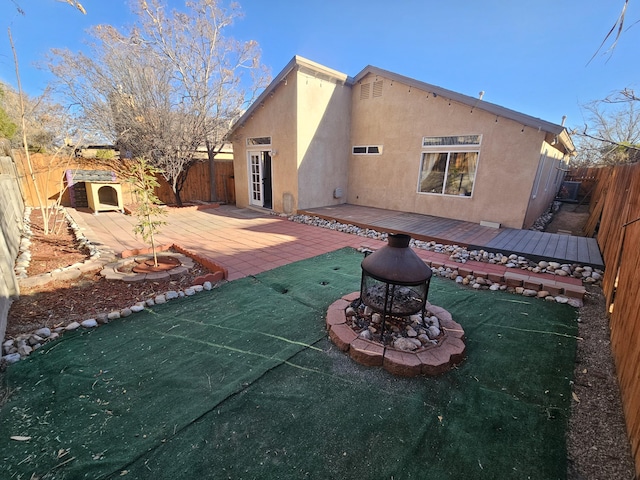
{"x":320,"y":71}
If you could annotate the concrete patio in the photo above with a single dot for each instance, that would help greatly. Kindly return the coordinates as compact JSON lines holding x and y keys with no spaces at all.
{"x":247,"y":242}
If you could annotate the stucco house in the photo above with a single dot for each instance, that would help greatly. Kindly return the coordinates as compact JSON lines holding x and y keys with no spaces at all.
{"x":318,"y":137}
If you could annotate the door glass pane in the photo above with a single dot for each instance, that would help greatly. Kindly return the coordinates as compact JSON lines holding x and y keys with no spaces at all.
{"x":256,"y":181}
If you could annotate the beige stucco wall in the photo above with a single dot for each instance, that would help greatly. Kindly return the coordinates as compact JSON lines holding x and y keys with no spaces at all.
{"x":308,"y":120}
{"x":276,"y":119}
{"x":323,"y":140}
{"x":400,"y":117}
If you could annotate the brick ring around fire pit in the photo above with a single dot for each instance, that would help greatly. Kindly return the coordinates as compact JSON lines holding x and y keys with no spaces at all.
{"x":428,"y":360}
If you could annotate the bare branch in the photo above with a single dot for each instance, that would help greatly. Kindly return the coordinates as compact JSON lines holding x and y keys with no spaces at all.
{"x":617,"y":27}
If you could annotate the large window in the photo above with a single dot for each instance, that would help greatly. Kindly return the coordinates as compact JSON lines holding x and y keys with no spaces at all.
{"x":449,"y":165}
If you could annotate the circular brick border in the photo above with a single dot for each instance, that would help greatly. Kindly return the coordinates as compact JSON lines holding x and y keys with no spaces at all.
{"x":111,"y":271}
{"x":431,"y":360}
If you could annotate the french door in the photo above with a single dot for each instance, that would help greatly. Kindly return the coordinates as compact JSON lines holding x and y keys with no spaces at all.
{"x":260,"y":179}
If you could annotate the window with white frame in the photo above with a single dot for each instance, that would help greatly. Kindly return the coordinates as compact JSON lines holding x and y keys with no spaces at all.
{"x":449,"y":164}
{"x":254,"y":141}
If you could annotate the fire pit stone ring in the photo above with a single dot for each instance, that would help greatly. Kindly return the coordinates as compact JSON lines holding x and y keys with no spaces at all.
{"x":430,"y":360}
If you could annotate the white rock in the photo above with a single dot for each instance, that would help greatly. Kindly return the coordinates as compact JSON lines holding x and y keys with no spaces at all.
{"x":411,"y":332}
{"x":35,"y":339}
{"x":433,"y":332}
{"x":575,"y":302}
{"x":43,"y":332}
{"x":24,"y":350}
{"x":528,"y":292}
{"x":90,"y":323}
{"x":72,"y":326}
{"x":207,"y":285}
{"x":150,"y":302}
{"x":189,"y":291}
{"x":12,"y":358}
{"x":170,"y":295}
{"x":7,"y":345}
{"x":160,"y":299}
{"x":125,"y":312}
{"x":198,"y":288}
{"x":136,"y":308}
{"x":561,"y":299}
{"x":366,"y":334}
{"x":404,"y":344}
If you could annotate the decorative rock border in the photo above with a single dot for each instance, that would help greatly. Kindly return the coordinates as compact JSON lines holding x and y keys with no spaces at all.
{"x":97,"y":257}
{"x":429,"y":360}
{"x":462,"y":255}
{"x":15,"y":349}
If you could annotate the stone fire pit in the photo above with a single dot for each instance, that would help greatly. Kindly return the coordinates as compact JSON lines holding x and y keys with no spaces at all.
{"x":437,"y":352}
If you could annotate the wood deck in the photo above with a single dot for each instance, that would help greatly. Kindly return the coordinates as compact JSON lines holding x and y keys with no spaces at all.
{"x":531,"y":244}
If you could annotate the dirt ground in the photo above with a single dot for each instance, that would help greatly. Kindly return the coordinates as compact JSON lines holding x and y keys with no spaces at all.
{"x":570,"y":218}
{"x":598,"y":447}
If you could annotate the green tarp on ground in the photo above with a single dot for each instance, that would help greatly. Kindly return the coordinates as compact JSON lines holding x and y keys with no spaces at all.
{"x":242,"y":383}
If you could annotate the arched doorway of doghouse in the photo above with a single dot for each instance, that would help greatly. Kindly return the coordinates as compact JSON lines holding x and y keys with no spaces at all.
{"x":107,"y":195}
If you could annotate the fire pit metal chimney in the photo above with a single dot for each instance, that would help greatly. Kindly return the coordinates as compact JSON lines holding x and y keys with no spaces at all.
{"x":395,"y":281}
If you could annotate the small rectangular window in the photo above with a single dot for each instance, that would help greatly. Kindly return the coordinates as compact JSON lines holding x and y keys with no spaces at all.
{"x":367,"y":150}
{"x":258,"y":141}
{"x":457,"y":140}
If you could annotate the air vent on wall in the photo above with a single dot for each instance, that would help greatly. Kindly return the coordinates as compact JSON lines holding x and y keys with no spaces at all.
{"x":365,"y":88}
{"x":377,"y":88}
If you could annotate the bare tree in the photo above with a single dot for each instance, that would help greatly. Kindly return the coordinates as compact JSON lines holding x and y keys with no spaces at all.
{"x":612,"y":132}
{"x":73,"y":3}
{"x":164,"y":87}
{"x":46,"y":122}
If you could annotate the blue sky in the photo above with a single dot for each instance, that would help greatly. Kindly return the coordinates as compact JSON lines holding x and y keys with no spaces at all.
{"x":532,"y":57}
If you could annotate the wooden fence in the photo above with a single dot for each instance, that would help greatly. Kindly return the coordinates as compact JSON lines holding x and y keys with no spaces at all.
{"x":615,"y":205}
{"x":49,"y":176}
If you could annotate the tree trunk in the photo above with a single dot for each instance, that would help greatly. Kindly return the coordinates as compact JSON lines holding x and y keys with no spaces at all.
{"x":211,"y":153}
{"x":176,"y":194}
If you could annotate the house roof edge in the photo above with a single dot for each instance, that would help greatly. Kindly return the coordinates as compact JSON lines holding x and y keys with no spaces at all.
{"x":473,"y":102}
{"x":297,"y":63}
